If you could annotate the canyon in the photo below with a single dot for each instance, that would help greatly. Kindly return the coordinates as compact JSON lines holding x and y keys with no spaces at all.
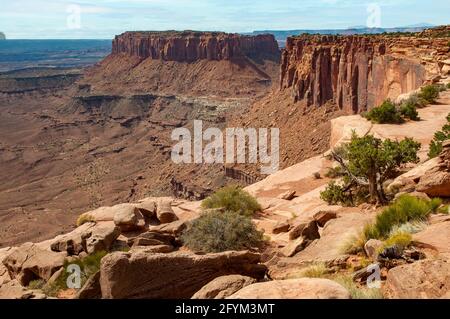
{"x":86,"y":165}
{"x":77,"y":139}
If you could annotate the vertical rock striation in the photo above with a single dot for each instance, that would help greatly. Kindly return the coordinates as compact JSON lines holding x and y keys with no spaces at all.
{"x":191,"y":46}
{"x":359,"y":72}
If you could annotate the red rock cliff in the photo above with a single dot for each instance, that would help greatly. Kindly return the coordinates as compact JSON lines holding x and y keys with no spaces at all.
{"x":192,"y":46}
{"x":359,"y":72}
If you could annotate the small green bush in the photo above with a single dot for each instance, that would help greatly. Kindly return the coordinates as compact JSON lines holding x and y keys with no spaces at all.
{"x":221,"y":231}
{"x":334,"y":195}
{"x":232,"y":199}
{"x":334,"y":172}
{"x":354,"y":244}
{"x":448,"y":84}
{"x":386,"y":113}
{"x":400,"y":239}
{"x":409,"y":110}
{"x":406,"y":208}
{"x":429,"y":93}
{"x":355,"y":291}
{"x":444,"y":209}
{"x":85,"y":218}
{"x":88,"y":265}
{"x":439,"y":138}
{"x":36,"y":284}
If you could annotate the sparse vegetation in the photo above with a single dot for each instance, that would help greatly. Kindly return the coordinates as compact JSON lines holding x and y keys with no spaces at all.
{"x":217,"y":231}
{"x":368,"y":162}
{"x":411,"y":227}
{"x":232,"y":199}
{"x":317,"y":270}
{"x":354,"y":244}
{"x":429,"y":93}
{"x":88,"y":265}
{"x":439,"y":138}
{"x":85,"y":218}
{"x":386,"y":113}
{"x":405,"y":209}
{"x":400,"y":239}
{"x":36,"y":284}
{"x":409,"y":110}
{"x":358,"y":292}
{"x":334,"y":172}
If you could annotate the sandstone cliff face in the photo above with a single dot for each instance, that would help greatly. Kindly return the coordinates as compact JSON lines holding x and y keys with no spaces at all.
{"x":193,"y":46}
{"x":359,"y":72}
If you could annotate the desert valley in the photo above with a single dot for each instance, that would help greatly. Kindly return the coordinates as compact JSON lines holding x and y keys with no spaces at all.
{"x":361,"y":197}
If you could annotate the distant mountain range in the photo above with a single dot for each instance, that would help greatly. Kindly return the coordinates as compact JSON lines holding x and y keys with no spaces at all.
{"x":282,"y":35}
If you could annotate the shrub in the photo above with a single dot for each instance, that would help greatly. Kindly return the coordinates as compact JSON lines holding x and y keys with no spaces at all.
{"x":317,"y":270}
{"x":218,"y":232}
{"x":354,"y":244}
{"x":429,"y":93}
{"x":448,"y":84}
{"x":444,"y":209}
{"x":36,"y":284}
{"x":88,"y":265}
{"x":85,"y":218}
{"x":435,"y":203}
{"x":334,"y":172}
{"x":439,"y":138}
{"x":400,"y":239}
{"x":232,"y":199}
{"x":411,"y":227}
{"x":368,"y":162}
{"x":334,"y":194}
{"x":409,"y":110}
{"x":384,"y":114}
{"x":355,"y":291}
{"x":405,"y":209}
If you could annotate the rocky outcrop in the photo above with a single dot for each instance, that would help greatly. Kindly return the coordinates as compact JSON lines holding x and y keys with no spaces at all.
{"x":29,"y":262}
{"x":223,"y":287}
{"x":359,"y":72}
{"x":436,"y":182}
{"x":192,"y":46}
{"x":303,"y":288}
{"x":142,"y":274}
{"x":421,"y":280}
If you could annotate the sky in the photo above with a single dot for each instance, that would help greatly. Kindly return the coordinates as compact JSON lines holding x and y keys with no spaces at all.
{"x":102,"y":19}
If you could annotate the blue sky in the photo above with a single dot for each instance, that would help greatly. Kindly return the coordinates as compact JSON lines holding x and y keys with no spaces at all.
{"x":102,"y":19}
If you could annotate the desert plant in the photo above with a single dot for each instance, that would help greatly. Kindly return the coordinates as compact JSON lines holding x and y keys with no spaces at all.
{"x":334,"y":195}
{"x":400,"y":239}
{"x":367,"y":163}
{"x":317,"y":270}
{"x":354,"y":244}
{"x":89,"y":265}
{"x":444,"y":209}
{"x":221,"y":231}
{"x":439,"y":138}
{"x":85,"y":218}
{"x":355,"y":291}
{"x":409,"y":110}
{"x":386,"y":113}
{"x":232,"y":199}
{"x":411,"y":227}
{"x":405,"y":209}
{"x":429,"y":93}
{"x":36,"y":284}
{"x":448,"y":84}
{"x":334,"y":172}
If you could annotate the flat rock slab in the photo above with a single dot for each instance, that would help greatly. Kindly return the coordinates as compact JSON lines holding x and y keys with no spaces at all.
{"x":425,"y":279}
{"x":303,"y":288}
{"x":144,"y":274}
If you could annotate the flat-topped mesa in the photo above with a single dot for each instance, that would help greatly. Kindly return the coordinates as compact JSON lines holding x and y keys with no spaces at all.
{"x":191,"y":46}
{"x":359,"y":72}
